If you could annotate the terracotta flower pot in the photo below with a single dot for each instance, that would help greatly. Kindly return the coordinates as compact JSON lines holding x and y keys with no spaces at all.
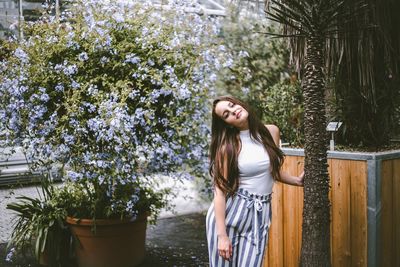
{"x":113,"y":242}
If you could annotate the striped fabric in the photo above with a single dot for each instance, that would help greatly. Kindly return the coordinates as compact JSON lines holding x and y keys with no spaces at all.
{"x":247,"y":221}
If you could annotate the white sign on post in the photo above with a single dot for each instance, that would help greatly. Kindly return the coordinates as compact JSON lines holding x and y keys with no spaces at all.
{"x":333,"y":127}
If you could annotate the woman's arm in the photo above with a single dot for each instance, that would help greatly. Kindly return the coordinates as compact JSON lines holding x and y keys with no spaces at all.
{"x":224,"y":243}
{"x":219,"y":208}
{"x":290,"y":179}
{"x":284,"y":176}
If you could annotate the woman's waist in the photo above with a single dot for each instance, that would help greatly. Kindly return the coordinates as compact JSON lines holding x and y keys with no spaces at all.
{"x":258,"y":185}
{"x":258,"y":193}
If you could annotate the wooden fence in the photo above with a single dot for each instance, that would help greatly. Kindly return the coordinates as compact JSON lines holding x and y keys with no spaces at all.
{"x":365,"y":211}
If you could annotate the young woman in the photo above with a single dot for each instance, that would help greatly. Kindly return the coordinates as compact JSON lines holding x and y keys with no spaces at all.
{"x":245,"y":161}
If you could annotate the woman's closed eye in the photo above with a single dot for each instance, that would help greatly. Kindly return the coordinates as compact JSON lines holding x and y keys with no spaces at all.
{"x":225,"y":115}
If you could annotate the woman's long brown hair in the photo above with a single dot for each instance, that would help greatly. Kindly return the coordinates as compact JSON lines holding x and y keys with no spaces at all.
{"x":225,"y":147}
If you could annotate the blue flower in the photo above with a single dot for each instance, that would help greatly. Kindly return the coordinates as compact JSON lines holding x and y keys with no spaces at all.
{"x":44,"y":97}
{"x":59,"y":88}
{"x":10,"y":255}
{"x":83,"y":56}
{"x":74,"y":176}
{"x":70,"y":69}
{"x":104,"y":60}
{"x":21,"y":55}
{"x":75,"y":84}
{"x":132,"y":58}
{"x":119,"y":18}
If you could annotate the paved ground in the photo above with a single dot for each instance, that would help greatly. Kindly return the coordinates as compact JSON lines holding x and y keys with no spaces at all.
{"x":6,"y":218}
{"x":175,"y":241}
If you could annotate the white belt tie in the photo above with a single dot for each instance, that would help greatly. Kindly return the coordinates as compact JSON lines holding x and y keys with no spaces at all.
{"x":258,"y":206}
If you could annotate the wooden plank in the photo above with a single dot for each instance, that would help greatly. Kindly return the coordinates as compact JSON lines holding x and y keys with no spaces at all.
{"x":287,"y":209}
{"x":300,"y":204}
{"x":348,"y":197}
{"x":330,"y":171}
{"x":290,"y":220}
{"x":274,"y":253}
{"x":358,"y":213}
{"x":396,"y":211}
{"x":386,"y":214}
{"x":341,"y":244}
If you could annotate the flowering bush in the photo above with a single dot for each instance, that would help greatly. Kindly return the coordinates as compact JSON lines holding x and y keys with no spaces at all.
{"x":113,"y":93}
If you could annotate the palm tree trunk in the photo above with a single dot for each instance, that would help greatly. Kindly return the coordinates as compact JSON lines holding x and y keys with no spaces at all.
{"x":316,"y":215}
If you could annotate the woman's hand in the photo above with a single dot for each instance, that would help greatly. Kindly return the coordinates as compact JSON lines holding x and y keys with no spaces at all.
{"x":224,"y":247}
{"x":291,"y":179}
{"x":301,"y":179}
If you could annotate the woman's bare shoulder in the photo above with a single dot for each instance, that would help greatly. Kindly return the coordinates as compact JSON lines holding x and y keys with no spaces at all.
{"x":273,"y":129}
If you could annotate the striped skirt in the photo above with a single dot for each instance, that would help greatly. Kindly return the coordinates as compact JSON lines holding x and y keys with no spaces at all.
{"x":247,"y":220}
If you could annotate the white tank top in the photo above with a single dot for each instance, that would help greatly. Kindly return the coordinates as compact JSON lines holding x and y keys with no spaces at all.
{"x":254,"y":166}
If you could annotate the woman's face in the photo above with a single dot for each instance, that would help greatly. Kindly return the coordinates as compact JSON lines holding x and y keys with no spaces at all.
{"x":233,"y":114}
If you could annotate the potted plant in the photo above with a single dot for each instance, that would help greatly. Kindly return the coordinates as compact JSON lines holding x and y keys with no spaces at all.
{"x":40,"y":224}
{"x":114,"y":94}
{"x":117,"y":235}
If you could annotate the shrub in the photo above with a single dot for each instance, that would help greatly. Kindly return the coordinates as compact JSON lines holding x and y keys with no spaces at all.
{"x":113,"y":93}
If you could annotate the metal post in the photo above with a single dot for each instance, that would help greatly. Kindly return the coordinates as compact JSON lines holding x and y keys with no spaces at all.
{"x":57,"y":10}
{"x":373,"y":211}
{"x":20,"y":20}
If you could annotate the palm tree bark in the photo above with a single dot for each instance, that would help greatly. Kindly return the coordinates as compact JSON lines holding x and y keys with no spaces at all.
{"x":316,"y":215}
